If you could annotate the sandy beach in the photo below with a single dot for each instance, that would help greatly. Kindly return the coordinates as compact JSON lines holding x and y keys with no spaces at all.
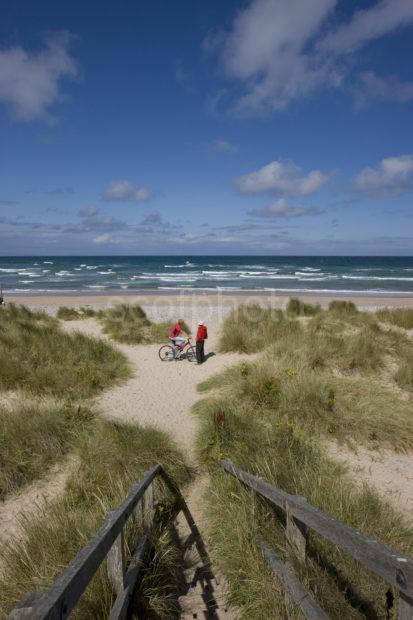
{"x":211,"y":306}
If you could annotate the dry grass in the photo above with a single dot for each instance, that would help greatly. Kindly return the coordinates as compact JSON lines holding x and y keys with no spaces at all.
{"x":40,"y":358}
{"x":32,"y":438}
{"x":295,"y":307}
{"x":112,"y":457}
{"x":402,"y":317}
{"x":249,"y":329}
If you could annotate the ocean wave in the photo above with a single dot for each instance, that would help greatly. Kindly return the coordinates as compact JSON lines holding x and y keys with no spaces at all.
{"x":9,"y":270}
{"x":310,"y":269}
{"x":187,"y":264}
{"x":380,"y":278}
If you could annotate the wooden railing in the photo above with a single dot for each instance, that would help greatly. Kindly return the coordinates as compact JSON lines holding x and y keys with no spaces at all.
{"x":58,"y":601}
{"x":394,"y":567}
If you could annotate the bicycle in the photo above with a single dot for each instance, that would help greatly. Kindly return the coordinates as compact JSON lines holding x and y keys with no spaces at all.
{"x":167,"y":354}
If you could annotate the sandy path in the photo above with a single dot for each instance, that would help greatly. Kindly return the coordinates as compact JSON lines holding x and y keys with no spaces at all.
{"x":160,"y":394}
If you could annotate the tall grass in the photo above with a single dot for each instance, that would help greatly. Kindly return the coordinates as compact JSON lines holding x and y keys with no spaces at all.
{"x":250,"y":328}
{"x":295,"y":307}
{"x":40,"y":358}
{"x":404,"y":374}
{"x":111,"y":458}
{"x":33,"y":437}
{"x":402,"y":317}
{"x":282,"y":453}
{"x":350,"y":409}
{"x":130,"y":325}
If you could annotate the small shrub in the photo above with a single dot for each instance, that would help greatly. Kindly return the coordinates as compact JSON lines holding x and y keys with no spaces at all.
{"x":295,"y":307}
{"x":342,"y":307}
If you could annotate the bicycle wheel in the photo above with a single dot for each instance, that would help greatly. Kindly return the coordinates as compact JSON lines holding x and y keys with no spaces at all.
{"x":191,"y":354}
{"x":166,"y":353}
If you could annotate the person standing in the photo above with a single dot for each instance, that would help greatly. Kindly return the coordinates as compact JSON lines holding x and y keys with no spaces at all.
{"x":201,"y":336}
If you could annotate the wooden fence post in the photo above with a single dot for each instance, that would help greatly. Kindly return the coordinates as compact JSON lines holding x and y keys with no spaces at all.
{"x":296,"y":540}
{"x":405,"y":607}
{"x":148,"y":505}
{"x":116,"y":563}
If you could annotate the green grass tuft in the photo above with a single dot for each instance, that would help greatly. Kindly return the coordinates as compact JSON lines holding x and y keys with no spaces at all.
{"x":37,"y":356}
{"x":32,"y":438}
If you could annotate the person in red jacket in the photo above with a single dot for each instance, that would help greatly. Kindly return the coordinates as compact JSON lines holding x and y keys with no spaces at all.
{"x":201,"y":336}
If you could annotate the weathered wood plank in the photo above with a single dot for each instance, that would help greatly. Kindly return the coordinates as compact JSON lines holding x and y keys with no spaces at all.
{"x":405,"y":608}
{"x":295,"y":535}
{"x":148,"y":505}
{"x":116,"y":563}
{"x":59,"y":600}
{"x":394,"y":567}
{"x":295,"y":546}
{"x":121,"y":605}
{"x":26,"y":606}
{"x":296,"y":590}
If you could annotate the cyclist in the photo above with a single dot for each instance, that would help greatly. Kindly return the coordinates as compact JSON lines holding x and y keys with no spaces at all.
{"x":175,"y":336}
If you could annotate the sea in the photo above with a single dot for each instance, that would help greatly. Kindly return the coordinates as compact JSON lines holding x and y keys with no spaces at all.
{"x":346,"y":275}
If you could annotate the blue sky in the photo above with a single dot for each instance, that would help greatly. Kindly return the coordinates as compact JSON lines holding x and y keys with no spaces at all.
{"x":257,"y":127}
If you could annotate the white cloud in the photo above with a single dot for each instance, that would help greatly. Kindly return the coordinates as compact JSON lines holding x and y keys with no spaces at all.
{"x":281,"y":209}
{"x":393,"y":176}
{"x":368,"y":24}
{"x":126,"y":191}
{"x":281,"y":178}
{"x":30,"y":82}
{"x":283,"y":50}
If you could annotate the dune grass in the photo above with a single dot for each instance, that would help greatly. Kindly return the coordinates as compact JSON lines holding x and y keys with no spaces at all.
{"x":250,"y":328}
{"x":402,"y":317}
{"x":350,"y":409}
{"x":67,"y":313}
{"x":282,"y":453}
{"x":111,"y":457}
{"x":404,"y":374}
{"x":40,"y":358}
{"x":295,"y":307}
{"x":34,"y":437}
{"x":129,"y":324}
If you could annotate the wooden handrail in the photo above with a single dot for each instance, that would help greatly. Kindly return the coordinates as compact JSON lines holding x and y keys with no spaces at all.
{"x":58,"y":601}
{"x":396,"y":568}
